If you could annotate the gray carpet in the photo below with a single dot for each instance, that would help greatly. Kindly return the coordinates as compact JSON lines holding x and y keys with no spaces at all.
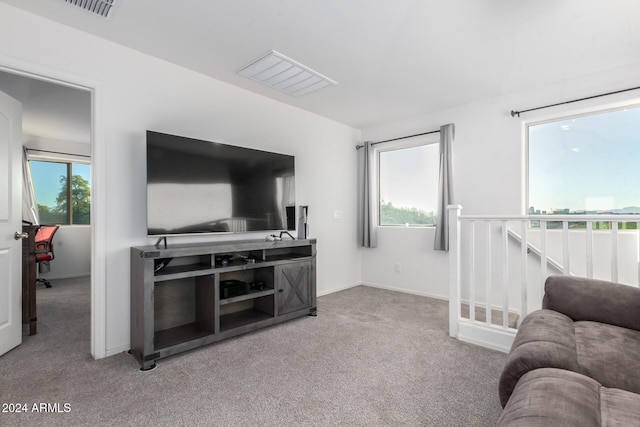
{"x":371,"y":358}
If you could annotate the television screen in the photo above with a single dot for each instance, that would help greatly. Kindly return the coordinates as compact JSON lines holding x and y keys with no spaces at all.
{"x":196,"y":186}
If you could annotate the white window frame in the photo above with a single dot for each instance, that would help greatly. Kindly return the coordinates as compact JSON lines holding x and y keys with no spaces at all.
{"x":400,"y":144}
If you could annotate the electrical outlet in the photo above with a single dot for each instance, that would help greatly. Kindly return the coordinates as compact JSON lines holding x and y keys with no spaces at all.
{"x":396,"y":267}
{"x":337,"y":214}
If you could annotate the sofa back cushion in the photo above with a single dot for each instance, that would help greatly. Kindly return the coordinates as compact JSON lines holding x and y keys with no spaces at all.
{"x":593,"y":300}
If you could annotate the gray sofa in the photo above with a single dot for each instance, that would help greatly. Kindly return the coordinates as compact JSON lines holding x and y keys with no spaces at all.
{"x":576,"y":362}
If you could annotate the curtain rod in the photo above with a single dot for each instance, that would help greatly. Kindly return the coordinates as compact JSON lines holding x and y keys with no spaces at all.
{"x":58,"y":152}
{"x":517,"y":113}
{"x":399,"y":138}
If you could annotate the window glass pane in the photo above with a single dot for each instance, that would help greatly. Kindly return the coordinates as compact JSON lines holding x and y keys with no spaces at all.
{"x":50,"y":183}
{"x":586,"y":164}
{"x":52,"y":194}
{"x":409,"y":185}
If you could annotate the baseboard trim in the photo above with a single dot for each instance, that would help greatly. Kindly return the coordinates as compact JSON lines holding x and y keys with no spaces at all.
{"x":334,"y":290}
{"x":388,"y":288}
{"x":406,"y":291}
{"x":114,"y":351}
{"x":492,"y":337}
{"x":440,"y":297}
{"x":68,"y":276}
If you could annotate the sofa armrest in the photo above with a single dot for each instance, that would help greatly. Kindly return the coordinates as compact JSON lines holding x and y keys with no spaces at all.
{"x":545,"y":339}
{"x":593,"y":300}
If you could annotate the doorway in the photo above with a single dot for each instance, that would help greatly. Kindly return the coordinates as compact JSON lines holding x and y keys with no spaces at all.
{"x":58,"y":128}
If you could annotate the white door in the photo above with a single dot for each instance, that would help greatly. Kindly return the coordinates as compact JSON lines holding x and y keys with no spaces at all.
{"x":10,"y":223}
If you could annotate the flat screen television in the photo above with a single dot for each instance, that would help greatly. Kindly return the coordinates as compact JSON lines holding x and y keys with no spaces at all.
{"x":196,"y":186}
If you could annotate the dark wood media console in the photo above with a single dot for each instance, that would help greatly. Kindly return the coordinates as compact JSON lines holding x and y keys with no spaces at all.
{"x":177,"y":301}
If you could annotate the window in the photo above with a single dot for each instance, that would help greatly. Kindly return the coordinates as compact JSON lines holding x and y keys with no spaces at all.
{"x":586,"y":164}
{"x":57,"y":202}
{"x":408,"y":182}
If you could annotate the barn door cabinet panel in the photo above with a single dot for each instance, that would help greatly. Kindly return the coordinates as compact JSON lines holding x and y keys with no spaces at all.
{"x":293,"y":282}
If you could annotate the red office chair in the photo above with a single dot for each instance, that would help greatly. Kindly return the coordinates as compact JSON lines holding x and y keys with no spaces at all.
{"x":44,"y":249}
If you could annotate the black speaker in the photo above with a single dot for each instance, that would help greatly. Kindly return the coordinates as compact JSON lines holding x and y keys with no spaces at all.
{"x":291,"y":217}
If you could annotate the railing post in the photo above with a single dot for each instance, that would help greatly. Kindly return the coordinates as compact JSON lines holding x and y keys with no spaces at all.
{"x":472,"y":270}
{"x":543,"y":254}
{"x":524,"y":255}
{"x":454,"y":269}
{"x":589,"y":244}
{"x":566,"y":260}
{"x":614,"y":251}
{"x":487,"y":278}
{"x":505,"y":275}
{"x":638,"y":253}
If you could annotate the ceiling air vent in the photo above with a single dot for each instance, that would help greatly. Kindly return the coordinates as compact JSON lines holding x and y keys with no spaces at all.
{"x":99,"y":7}
{"x":286,"y":75}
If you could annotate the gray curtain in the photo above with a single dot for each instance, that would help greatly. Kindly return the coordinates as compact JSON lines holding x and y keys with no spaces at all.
{"x":367,"y":212}
{"x":29,"y":206}
{"x":445,"y":187}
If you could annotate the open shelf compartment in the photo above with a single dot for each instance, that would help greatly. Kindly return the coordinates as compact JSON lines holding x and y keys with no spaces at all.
{"x":177,"y":267}
{"x":251,"y":295}
{"x":241,"y":313}
{"x":179,"y":334}
{"x":183,"y":310}
{"x":246,"y":284}
{"x":288,"y":253}
{"x":241,"y":258}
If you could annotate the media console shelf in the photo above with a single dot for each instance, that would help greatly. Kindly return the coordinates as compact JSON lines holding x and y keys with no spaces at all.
{"x":186,"y":296}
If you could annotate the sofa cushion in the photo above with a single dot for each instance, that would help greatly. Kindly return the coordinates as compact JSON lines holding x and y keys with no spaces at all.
{"x":556,"y":397}
{"x":609,"y":354}
{"x":619,"y":407}
{"x":545,"y":339}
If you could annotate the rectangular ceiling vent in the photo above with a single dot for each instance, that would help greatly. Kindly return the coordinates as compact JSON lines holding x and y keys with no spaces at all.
{"x":286,"y":75}
{"x":99,"y":7}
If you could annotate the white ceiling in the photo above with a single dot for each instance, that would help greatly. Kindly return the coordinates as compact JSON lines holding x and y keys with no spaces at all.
{"x":50,"y":110}
{"x":392,"y":59}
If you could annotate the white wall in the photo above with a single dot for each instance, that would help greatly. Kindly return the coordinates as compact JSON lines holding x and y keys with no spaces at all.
{"x":138,"y":92}
{"x":72,"y":250}
{"x":422,"y":270}
{"x":488,"y":167}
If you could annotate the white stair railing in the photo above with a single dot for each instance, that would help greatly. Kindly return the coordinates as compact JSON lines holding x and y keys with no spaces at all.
{"x":490,"y":273}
